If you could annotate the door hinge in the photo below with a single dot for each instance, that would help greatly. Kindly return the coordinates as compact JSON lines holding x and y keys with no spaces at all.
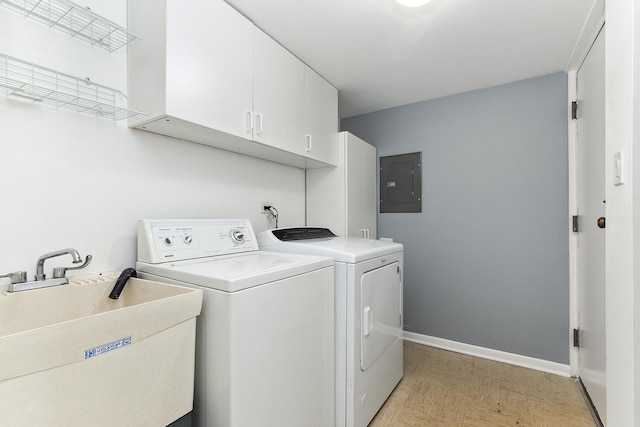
{"x":575,"y":224}
{"x":576,"y":337}
{"x":574,"y":110}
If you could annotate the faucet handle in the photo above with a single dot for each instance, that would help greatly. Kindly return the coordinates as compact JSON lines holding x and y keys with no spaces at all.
{"x":59,"y":272}
{"x":16,"y":277}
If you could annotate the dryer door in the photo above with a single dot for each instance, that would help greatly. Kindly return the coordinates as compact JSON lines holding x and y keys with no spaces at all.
{"x":380,"y":311}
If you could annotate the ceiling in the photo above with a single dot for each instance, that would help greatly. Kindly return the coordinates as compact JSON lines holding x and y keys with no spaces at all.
{"x":381,"y":55}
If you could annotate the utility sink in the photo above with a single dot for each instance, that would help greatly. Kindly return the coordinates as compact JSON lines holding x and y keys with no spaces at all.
{"x":69,"y":355}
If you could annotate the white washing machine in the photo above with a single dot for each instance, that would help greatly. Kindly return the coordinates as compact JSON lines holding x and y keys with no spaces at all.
{"x":368,"y":299}
{"x":265,"y":337}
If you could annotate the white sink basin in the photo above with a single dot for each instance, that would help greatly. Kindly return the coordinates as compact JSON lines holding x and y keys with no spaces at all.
{"x":69,"y":355}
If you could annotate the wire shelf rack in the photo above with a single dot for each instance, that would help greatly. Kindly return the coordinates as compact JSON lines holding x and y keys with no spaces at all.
{"x":74,"y":20}
{"x":39,"y":84}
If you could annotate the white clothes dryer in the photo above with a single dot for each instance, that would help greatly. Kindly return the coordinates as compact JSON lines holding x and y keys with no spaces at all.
{"x":265,"y":337}
{"x":368,"y":299}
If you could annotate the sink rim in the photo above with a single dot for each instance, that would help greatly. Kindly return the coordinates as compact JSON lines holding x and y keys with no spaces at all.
{"x":59,"y":343}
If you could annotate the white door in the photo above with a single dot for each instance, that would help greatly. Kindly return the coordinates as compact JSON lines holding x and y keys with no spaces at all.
{"x":591,"y":206}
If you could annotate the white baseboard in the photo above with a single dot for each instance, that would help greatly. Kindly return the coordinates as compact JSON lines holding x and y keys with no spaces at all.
{"x":487,"y":353}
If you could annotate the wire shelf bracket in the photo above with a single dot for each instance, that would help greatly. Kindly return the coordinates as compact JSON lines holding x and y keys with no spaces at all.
{"x":74,"y":20}
{"x":29,"y":81}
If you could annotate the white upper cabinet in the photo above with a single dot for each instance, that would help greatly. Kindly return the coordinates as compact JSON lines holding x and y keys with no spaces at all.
{"x":320,"y":118}
{"x":209,"y":68}
{"x":199,"y":73}
{"x":278,"y":85}
{"x":206,"y":74}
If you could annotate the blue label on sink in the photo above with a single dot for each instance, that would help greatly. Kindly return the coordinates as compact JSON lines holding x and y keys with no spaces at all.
{"x":96,"y":351}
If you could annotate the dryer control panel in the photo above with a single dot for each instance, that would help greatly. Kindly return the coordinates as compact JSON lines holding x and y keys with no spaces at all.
{"x":176,"y":240}
{"x":302,"y":233}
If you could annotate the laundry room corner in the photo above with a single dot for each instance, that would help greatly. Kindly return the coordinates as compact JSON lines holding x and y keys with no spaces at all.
{"x":487,"y":258}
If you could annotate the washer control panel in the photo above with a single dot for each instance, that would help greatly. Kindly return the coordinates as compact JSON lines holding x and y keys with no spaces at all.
{"x":175,"y":240}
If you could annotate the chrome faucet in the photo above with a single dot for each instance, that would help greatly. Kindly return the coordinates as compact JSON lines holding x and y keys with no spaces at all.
{"x":40,"y":267}
{"x":19,"y":279}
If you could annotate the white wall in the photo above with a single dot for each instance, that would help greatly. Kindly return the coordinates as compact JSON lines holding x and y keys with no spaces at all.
{"x":73,"y":180}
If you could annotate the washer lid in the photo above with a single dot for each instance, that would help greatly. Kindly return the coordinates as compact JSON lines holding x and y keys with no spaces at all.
{"x":232,"y":273}
{"x":342,"y":249}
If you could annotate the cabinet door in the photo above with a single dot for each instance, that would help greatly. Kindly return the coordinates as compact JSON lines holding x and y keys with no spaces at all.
{"x":320,"y":118}
{"x":326,"y":196}
{"x":361,"y":187}
{"x":277,"y":95}
{"x":209,"y":65}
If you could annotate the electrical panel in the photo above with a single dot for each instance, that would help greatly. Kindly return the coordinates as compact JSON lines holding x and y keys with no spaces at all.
{"x":401,"y":183}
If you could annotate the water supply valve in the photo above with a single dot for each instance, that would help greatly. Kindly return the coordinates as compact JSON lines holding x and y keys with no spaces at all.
{"x":16,"y":277}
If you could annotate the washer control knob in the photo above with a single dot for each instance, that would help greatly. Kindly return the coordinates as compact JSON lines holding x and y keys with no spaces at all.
{"x":167,"y":241}
{"x":237,"y":235}
{"x":188,"y":239}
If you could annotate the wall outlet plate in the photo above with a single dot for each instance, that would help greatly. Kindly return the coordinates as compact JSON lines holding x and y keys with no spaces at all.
{"x":262,"y":205}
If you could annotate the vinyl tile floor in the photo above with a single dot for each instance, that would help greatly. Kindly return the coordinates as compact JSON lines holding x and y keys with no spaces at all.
{"x":442,"y":388}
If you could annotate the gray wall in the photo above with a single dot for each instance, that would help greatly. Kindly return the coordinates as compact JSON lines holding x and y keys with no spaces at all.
{"x":487,"y":260}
